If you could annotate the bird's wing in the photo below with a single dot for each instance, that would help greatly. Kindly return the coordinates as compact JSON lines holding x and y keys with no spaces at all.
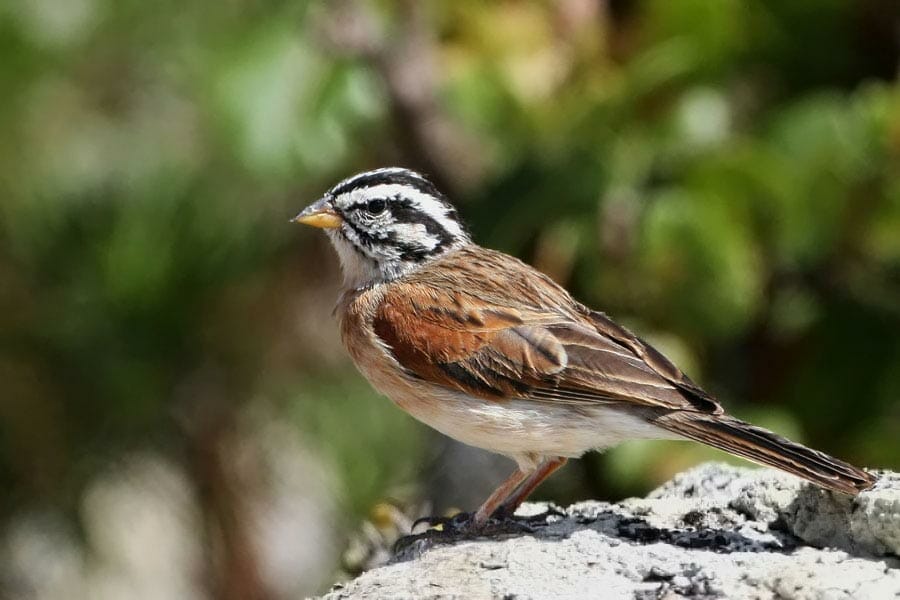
{"x":654,"y":359}
{"x":449,"y":336}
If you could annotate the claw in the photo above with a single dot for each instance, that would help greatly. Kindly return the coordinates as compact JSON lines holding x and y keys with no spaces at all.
{"x":453,"y":523}
{"x":459,"y":526}
{"x":430,"y":521}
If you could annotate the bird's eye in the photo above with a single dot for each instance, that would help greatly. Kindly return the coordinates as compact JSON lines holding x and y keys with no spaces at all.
{"x":376,"y":206}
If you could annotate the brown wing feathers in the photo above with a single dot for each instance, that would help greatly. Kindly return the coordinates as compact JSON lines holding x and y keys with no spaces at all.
{"x":766,"y":448}
{"x":551,"y":349}
{"x":655,"y":360}
{"x":600,"y":370}
{"x":495,"y":352}
{"x":484,"y":351}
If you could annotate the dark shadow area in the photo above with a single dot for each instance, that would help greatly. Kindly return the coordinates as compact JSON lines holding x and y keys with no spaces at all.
{"x":636,"y":530}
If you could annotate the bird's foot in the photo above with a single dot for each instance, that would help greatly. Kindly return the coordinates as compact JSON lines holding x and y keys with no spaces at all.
{"x":463,"y":526}
{"x":438,"y":523}
{"x":440,"y":530}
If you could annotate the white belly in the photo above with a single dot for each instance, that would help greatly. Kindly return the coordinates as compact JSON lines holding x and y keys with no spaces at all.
{"x":527,"y":430}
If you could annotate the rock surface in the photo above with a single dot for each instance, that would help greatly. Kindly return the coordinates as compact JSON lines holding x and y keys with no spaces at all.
{"x":715,"y":531}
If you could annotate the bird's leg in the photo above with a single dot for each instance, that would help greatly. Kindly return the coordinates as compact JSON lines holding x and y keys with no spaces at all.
{"x":468,"y":524}
{"x":497,"y":498}
{"x":544,"y":470}
{"x":510,"y":493}
{"x":477,"y":520}
{"x":503,"y":502}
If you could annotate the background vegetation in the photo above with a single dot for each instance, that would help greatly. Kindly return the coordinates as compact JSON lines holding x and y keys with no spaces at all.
{"x":177,"y":418}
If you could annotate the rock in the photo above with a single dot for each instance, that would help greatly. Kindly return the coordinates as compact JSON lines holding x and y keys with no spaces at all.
{"x":715,"y":531}
{"x":868,"y":525}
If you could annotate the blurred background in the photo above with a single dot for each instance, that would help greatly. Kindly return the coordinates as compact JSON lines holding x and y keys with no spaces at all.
{"x":177,"y":417}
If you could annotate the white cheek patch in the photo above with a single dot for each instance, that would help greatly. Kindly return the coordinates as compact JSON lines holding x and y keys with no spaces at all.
{"x":414,"y":234}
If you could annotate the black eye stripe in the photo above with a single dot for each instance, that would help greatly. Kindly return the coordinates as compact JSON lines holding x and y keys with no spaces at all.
{"x":355,"y":206}
{"x":407,"y":251}
{"x":403,"y":212}
{"x":364,"y":205}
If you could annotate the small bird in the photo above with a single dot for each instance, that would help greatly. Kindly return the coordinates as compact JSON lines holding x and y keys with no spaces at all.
{"x":491,"y":352}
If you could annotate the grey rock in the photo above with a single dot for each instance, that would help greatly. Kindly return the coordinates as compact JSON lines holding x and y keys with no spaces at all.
{"x":715,"y":531}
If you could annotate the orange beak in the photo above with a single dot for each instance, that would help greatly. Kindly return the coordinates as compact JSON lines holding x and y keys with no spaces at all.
{"x":320,"y":214}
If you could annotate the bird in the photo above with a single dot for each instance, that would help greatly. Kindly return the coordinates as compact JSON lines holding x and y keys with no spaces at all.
{"x":490,"y":351}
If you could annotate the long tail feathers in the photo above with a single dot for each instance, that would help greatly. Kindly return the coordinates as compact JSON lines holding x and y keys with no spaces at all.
{"x":764,"y":447}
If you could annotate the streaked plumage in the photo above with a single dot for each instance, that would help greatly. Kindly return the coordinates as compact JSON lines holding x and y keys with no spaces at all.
{"x":491,"y":352}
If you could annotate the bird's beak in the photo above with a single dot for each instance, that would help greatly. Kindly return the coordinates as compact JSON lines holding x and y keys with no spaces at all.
{"x":320,"y":214}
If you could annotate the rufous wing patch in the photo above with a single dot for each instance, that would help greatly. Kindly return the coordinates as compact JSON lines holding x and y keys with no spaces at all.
{"x":494,"y":352}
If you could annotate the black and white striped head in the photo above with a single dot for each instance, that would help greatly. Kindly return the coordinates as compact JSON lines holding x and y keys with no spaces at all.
{"x":386,"y":223}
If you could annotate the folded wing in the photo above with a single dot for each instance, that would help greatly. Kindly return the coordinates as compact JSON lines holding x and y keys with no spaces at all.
{"x":494,"y":352}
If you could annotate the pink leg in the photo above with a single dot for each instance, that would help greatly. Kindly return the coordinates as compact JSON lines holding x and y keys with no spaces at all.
{"x":515,"y":489}
{"x":494,"y":501}
{"x":547,"y":468}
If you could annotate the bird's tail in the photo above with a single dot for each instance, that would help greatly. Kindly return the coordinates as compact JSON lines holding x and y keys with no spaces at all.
{"x":764,"y":447}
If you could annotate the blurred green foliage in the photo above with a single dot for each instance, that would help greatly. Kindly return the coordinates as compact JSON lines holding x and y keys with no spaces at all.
{"x":724,"y":177}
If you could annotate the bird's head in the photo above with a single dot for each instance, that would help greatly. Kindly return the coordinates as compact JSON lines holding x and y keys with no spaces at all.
{"x":386,"y":223}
